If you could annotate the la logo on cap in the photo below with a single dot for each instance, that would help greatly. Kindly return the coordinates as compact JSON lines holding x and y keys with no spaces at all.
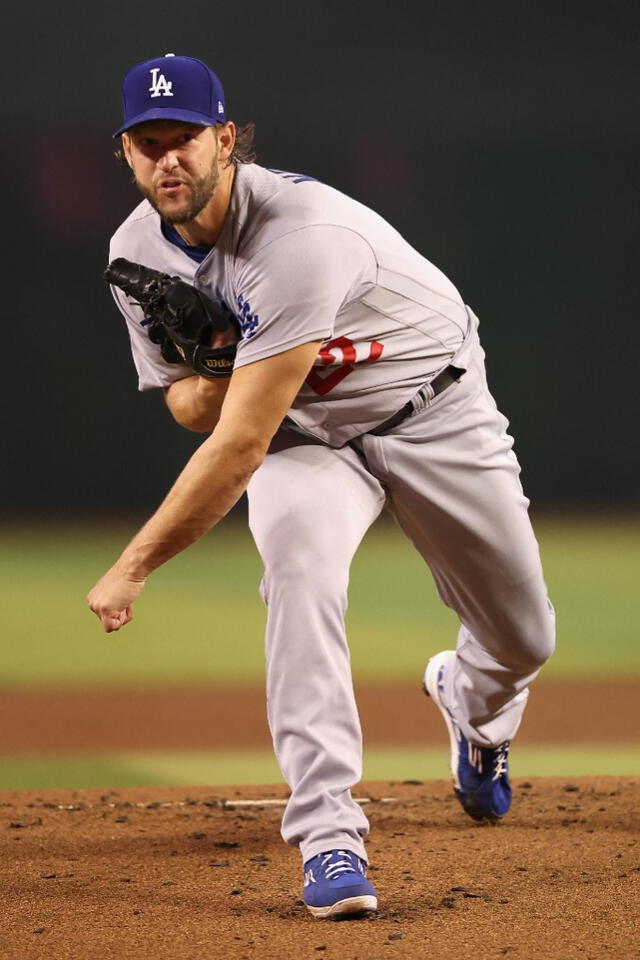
{"x":160,"y":86}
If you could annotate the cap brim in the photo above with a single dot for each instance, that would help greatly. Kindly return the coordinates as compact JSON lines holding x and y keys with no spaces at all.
{"x":167,"y":113}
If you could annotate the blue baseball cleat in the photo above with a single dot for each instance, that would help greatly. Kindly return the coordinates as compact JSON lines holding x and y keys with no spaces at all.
{"x":480,"y":774}
{"x":336,"y":886}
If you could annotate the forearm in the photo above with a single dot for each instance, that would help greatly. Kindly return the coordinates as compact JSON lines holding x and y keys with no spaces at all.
{"x":196,"y":402}
{"x":212,"y":482}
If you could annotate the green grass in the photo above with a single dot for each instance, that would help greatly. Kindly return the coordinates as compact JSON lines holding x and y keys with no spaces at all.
{"x":200,"y":618}
{"x":245,"y":767}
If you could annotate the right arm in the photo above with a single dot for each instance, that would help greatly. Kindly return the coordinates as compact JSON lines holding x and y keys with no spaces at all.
{"x":195,"y":402}
{"x":212,"y":481}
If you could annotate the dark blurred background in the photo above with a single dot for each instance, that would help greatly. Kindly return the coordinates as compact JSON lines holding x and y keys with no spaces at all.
{"x":502,"y":139}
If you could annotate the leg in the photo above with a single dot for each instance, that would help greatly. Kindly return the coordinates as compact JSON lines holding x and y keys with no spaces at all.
{"x":309,"y":508}
{"x":454,"y":488}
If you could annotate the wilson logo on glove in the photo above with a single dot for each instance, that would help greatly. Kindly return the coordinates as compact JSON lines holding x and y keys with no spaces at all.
{"x":217,"y":363}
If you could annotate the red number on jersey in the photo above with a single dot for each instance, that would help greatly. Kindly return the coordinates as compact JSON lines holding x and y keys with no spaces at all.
{"x":324,"y":383}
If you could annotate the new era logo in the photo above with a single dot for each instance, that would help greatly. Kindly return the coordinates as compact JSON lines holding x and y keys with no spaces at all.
{"x":160,"y":86}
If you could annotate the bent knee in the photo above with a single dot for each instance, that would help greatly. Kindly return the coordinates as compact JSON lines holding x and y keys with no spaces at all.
{"x":535,"y":638}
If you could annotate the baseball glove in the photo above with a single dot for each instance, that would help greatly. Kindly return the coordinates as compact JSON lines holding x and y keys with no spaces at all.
{"x":180,"y":319}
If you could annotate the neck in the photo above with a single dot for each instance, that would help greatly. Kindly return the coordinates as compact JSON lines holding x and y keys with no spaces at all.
{"x":207,"y":226}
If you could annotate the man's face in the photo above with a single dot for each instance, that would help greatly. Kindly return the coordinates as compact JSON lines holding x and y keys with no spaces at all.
{"x":175,"y":166}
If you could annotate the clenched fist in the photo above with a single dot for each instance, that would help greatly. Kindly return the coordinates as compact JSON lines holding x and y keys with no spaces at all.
{"x":112,"y":597}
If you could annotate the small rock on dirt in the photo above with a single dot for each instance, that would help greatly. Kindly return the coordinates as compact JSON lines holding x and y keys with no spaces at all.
{"x":23,"y":823}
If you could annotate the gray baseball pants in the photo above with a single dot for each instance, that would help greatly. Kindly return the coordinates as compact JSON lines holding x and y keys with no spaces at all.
{"x":450,"y":478}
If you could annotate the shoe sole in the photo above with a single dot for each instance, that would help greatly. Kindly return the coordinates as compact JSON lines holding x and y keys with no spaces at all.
{"x":430,"y":686}
{"x":352,"y":907}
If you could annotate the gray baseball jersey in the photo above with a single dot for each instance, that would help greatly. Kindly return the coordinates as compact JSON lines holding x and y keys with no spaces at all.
{"x":299,"y":261}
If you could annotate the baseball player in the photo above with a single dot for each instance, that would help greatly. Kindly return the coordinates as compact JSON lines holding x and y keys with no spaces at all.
{"x":336,"y":373}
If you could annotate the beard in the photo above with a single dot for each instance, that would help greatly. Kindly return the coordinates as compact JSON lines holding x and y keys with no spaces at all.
{"x":200,"y":191}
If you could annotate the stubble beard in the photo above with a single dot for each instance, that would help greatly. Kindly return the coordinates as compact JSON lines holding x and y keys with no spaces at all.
{"x":201,"y":190}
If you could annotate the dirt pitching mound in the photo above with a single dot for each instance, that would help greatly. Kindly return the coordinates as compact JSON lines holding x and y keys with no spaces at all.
{"x":168,"y":873}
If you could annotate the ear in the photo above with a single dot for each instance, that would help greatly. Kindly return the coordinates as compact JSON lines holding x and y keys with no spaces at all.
{"x":126,"y":147}
{"x":226,"y":134}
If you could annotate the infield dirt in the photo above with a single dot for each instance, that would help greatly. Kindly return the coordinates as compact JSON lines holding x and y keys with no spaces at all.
{"x":559,"y":712}
{"x":164,"y":873}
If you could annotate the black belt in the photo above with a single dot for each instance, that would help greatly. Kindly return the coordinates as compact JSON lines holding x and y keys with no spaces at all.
{"x":444,"y":379}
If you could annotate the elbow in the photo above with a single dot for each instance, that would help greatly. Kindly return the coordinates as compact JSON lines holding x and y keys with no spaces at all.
{"x":190,"y":421}
{"x":246,"y":453}
{"x":251,"y":453}
{"x":189,"y":409}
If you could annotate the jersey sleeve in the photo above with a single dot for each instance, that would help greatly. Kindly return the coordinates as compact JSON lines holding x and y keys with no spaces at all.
{"x":152,"y":370}
{"x":290,"y":291}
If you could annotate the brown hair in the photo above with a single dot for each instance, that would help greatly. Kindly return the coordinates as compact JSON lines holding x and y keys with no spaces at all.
{"x":243,"y":151}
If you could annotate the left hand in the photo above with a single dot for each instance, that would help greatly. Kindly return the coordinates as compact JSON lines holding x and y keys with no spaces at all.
{"x":112,"y":597}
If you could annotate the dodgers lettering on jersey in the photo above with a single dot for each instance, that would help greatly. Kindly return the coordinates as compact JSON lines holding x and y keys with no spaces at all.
{"x":298,"y":261}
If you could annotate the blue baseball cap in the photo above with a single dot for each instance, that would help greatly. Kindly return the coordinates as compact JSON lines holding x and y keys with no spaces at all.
{"x":171,"y":88}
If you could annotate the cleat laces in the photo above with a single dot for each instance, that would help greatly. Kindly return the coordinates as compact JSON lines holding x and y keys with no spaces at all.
{"x":500,"y":761}
{"x":477,"y":756}
{"x":333,"y":870}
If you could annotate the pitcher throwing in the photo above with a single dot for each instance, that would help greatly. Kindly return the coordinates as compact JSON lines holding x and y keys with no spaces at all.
{"x":337,"y":373}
